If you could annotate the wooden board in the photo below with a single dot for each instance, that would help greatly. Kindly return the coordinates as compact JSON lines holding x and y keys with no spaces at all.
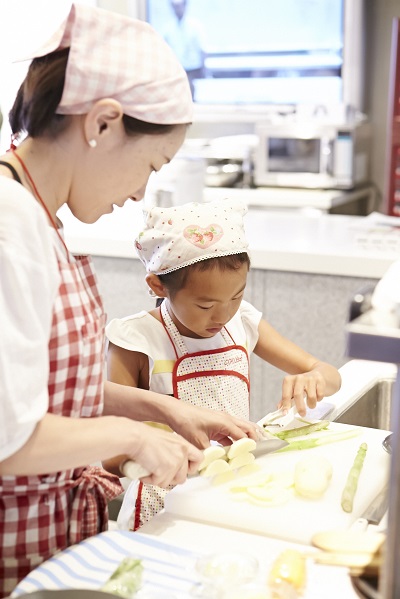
{"x":298,"y":519}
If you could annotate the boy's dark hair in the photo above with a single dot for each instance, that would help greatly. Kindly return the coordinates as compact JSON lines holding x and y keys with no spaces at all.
{"x":34,"y":109}
{"x":176,"y":280}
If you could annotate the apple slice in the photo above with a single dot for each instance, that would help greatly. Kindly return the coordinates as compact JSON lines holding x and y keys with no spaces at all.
{"x":212,"y":453}
{"x":270,"y":495}
{"x":348,"y":541}
{"x":215,"y":467}
{"x":240,"y":446}
{"x":242,"y":459}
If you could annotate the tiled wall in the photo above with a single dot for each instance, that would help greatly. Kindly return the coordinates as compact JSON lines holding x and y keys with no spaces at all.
{"x":311,"y":310}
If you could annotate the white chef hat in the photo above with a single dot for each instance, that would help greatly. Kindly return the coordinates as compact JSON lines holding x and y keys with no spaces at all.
{"x":178,"y":236}
{"x":115,"y":56}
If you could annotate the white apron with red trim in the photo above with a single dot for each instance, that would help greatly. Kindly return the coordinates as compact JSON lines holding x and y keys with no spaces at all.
{"x":217,"y":379}
{"x":41,"y":515}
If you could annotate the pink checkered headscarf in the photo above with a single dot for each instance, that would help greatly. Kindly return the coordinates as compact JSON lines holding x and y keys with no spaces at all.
{"x":178,"y":236}
{"x":114,"y":56}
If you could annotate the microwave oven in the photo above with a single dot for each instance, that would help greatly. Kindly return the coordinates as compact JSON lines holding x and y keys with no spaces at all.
{"x":311,"y":155}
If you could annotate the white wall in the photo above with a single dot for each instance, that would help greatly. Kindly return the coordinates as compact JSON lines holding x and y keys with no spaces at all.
{"x":24,"y":26}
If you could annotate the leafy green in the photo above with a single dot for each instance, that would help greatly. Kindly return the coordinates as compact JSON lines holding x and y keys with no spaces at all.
{"x":321,"y":439}
{"x":126,"y":580}
{"x":351,"y":485}
{"x":303,"y":430}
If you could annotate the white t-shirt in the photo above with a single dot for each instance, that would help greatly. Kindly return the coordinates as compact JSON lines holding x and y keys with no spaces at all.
{"x":29,"y":281}
{"x":143,"y":333}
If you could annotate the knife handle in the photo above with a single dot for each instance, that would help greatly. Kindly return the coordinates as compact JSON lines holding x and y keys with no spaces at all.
{"x":361,"y":524}
{"x":133,"y":470}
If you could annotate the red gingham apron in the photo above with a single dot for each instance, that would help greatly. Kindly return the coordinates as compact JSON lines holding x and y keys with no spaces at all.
{"x":40,"y":515}
{"x":217,"y":379}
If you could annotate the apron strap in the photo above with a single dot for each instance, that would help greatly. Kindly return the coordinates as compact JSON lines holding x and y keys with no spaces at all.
{"x":227,"y":337}
{"x":12,"y":169}
{"x":173,"y":333}
{"x":175,"y":336}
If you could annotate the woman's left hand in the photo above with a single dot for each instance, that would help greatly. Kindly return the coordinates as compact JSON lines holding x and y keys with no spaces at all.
{"x":303,"y":390}
{"x":201,"y":425}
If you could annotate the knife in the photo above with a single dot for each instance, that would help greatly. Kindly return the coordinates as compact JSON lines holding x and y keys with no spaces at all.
{"x":133,"y":470}
{"x":374,"y":512}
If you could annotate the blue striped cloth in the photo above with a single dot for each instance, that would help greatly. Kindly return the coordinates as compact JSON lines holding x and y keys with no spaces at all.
{"x":168,"y":570}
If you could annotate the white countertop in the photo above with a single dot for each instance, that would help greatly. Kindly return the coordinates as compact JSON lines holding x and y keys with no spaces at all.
{"x":328,"y":582}
{"x":283,"y":241}
{"x":288,"y":198}
{"x":322,"y":581}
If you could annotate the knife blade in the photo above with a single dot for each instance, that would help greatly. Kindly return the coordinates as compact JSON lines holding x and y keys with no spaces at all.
{"x":133,"y":470}
{"x":265,"y":446}
{"x":374,"y":513}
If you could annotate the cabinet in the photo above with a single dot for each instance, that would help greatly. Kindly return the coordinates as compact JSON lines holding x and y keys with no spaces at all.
{"x":393,"y":152}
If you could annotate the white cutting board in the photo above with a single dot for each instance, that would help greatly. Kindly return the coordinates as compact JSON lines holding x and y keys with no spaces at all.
{"x":298,"y":519}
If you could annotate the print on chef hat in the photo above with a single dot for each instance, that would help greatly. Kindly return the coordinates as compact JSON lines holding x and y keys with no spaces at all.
{"x":178,"y":236}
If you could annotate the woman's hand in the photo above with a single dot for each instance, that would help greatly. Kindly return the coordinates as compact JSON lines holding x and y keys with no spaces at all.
{"x":201,"y":425}
{"x":303,"y":390}
{"x":76,"y":442}
{"x":167,"y":456}
{"x":196,"y":424}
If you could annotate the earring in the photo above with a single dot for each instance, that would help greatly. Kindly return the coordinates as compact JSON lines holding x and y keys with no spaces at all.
{"x":92,"y":143}
{"x":151,"y":292}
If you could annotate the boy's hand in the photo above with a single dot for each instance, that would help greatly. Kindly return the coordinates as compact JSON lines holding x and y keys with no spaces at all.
{"x":303,"y":390}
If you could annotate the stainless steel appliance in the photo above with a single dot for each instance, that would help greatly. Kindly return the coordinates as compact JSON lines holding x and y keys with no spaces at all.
{"x":312,"y":153}
{"x":372,"y":336}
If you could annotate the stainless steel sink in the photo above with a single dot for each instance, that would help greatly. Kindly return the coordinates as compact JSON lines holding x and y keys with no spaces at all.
{"x":372,"y":408}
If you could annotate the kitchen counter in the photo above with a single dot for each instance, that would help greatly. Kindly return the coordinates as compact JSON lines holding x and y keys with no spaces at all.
{"x":308,"y":242}
{"x":322,"y":581}
{"x":328,"y":582}
{"x":334,"y":201}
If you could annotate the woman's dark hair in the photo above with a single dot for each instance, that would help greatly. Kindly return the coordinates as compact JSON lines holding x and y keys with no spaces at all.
{"x":34,"y":109}
{"x":176,"y":280}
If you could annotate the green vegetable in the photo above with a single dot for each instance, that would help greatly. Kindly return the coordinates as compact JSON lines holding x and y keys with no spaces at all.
{"x":319,"y":440}
{"x":351,"y":485}
{"x":303,"y":430}
{"x":126,"y":580}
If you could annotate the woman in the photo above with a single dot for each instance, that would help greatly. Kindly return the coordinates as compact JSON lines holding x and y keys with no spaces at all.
{"x":104,"y":103}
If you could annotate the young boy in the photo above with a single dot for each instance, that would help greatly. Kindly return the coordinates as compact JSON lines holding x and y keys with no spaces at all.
{"x":196,"y":345}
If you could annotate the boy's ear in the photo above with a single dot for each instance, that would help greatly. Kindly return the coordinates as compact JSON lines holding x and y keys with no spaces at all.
{"x":155,"y":285}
